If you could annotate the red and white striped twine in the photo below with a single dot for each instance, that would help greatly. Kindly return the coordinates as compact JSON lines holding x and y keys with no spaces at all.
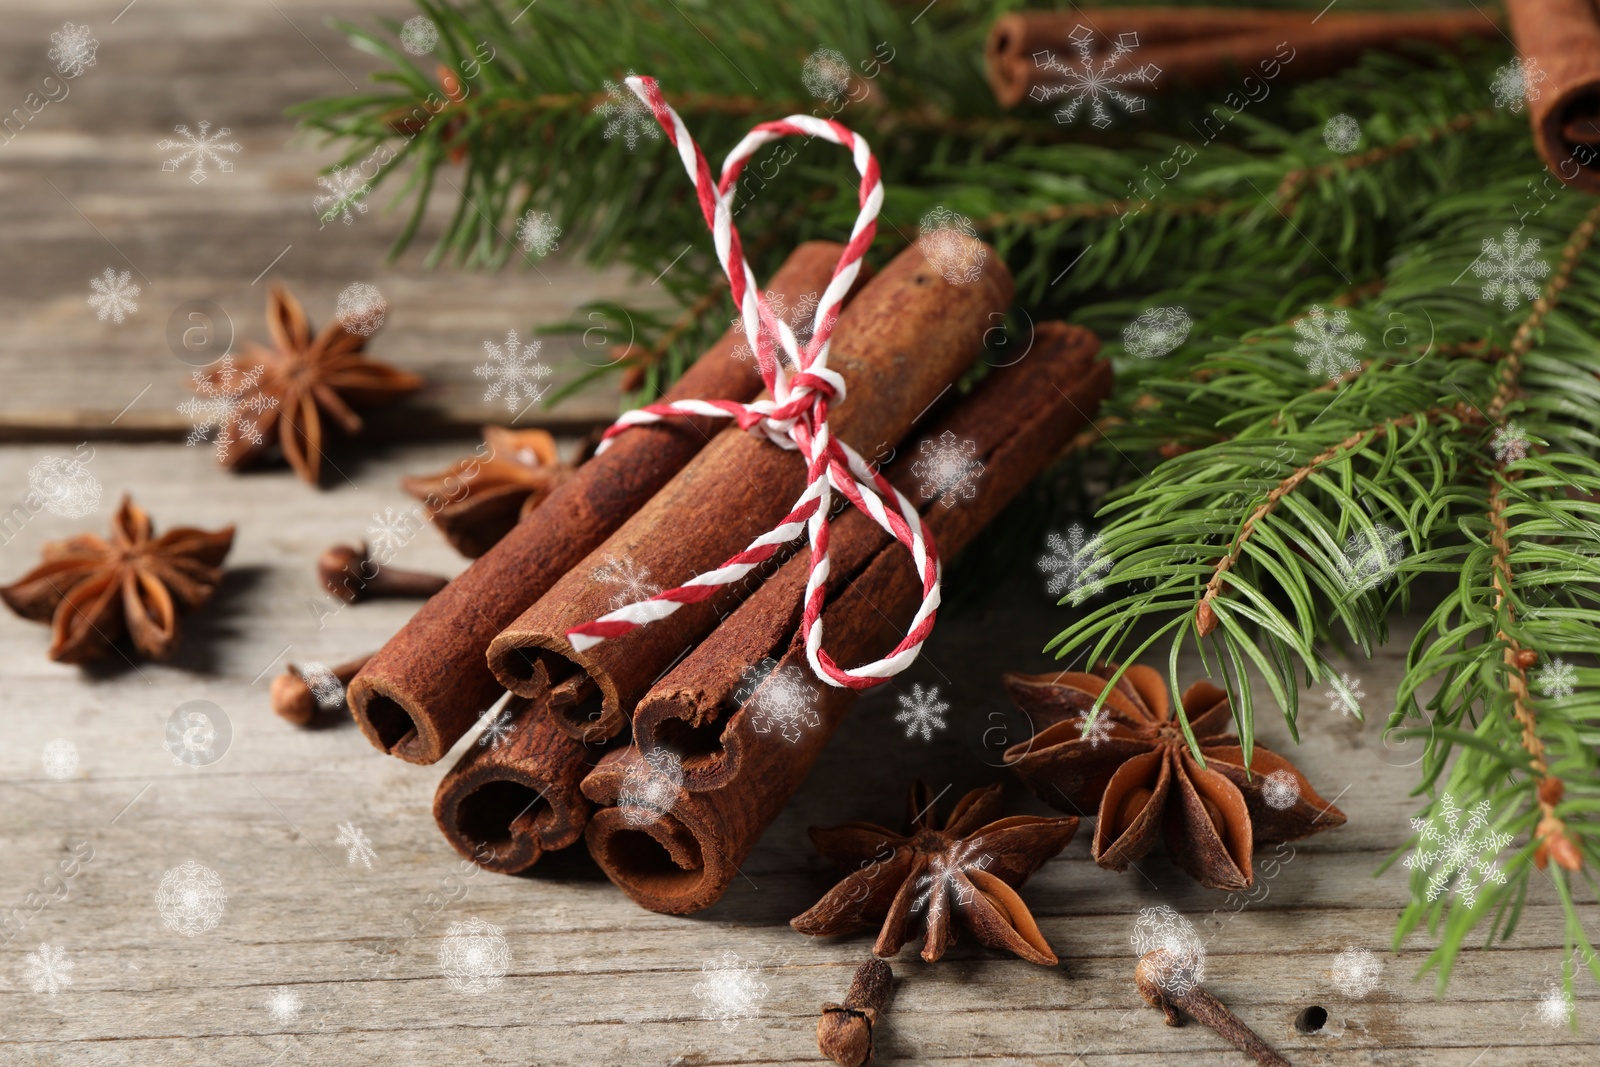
{"x":795,"y":418}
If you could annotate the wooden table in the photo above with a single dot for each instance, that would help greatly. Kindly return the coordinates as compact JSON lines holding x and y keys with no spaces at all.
{"x":593,"y":979}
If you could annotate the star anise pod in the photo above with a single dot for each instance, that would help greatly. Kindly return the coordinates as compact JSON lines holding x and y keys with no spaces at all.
{"x":475,"y":502}
{"x":1133,"y":766}
{"x":94,"y":592}
{"x":971,"y":867}
{"x":309,"y":377}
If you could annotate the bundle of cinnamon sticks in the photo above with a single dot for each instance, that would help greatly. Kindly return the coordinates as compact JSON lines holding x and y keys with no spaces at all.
{"x":671,"y":748}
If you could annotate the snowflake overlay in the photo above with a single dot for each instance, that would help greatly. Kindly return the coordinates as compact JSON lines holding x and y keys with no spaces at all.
{"x":227,"y":399}
{"x":1076,"y":564}
{"x":1095,"y":729}
{"x":1156,"y":332}
{"x":203,"y":147}
{"x":1356,"y":972}
{"x":1341,"y":134}
{"x":826,"y":74}
{"x":731,"y":989}
{"x":356,"y":844}
{"x":1281,"y":790}
{"x":72,"y":50}
{"x":65,"y":486}
{"x":1509,"y":268}
{"x":1510,"y":443}
{"x":390,"y":532}
{"x":627,"y":115}
{"x":944,"y":242}
{"x":512,"y":371}
{"x":360,"y":308}
{"x":1370,"y":557}
{"x":650,"y":785}
{"x":419,"y":35}
{"x":783,"y":699}
{"x":1556,"y":1006}
{"x":949,"y":469}
{"x":474,"y":957}
{"x":800,"y":319}
{"x":46,"y":971}
{"x":941,"y":876}
{"x":1345,"y":695}
{"x":343,"y":188}
{"x":630,"y":583}
{"x":921,"y":712}
{"x":1516,"y":83}
{"x":1162,"y":929}
{"x":191,"y":898}
{"x":1557,"y":679}
{"x":1094,"y":83}
{"x":324,"y":685}
{"x":537,"y":232}
{"x":1326,"y":343}
{"x":113,"y":296}
{"x":283,"y":1005}
{"x":498,"y":730}
{"x":60,"y":758}
{"x":1459,"y":851}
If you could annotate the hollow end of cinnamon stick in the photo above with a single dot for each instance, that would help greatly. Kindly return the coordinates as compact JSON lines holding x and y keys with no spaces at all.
{"x":676,"y":720}
{"x":583,"y":698}
{"x":384,"y":715}
{"x":656,"y":860}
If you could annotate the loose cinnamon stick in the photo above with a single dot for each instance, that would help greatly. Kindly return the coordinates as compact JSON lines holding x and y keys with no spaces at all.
{"x":681,"y":859}
{"x":429,"y":684}
{"x":1560,"y":41}
{"x":908,"y":335}
{"x":1202,"y":47}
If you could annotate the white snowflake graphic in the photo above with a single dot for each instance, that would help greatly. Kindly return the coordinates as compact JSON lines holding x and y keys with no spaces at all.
{"x":1458,"y":852}
{"x":800,"y":318}
{"x":921,"y":711}
{"x":324,"y":685}
{"x":360,"y":308}
{"x":1345,"y":695}
{"x":65,"y":486}
{"x":627,"y":115}
{"x":419,"y":35}
{"x":512,"y":371}
{"x":1516,"y":83}
{"x":1077,"y":564}
{"x":1156,"y":332}
{"x":1095,"y":729}
{"x":283,"y":1005}
{"x":630,"y":583}
{"x":1281,"y":790}
{"x":390,"y":532}
{"x":498,"y":730}
{"x":730,"y":989}
{"x":782,"y":699}
{"x":1094,"y":82}
{"x":1341,"y":134}
{"x":203,"y":147}
{"x":941,"y":876}
{"x":1370,"y":557}
{"x":537,"y":232}
{"x":47,"y":971}
{"x":474,"y":957}
{"x":1326,"y":343}
{"x":1557,"y":679}
{"x":1356,"y":972}
{"x":356,"y":844}
{"x":1509,"y":268}
{"x":948,"y":241}
{"x":60,"y":758}
{"x":226,"y":404}
{"x":343,"y":188}
{"x":1183,"y":965}
{"x":72,"y":50}
{"x":1510,"y":443}
{"x":113,"y":295}
{"x":1555,"y":1006}
{"x":826,"y":74}
{"x":651,"y":785}
{"x":191,"y":898}
{"x":948,"y":469}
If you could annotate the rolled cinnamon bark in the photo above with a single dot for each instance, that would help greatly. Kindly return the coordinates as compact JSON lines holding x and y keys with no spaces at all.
{"x":1559,"y":42}
{"x":907,"y":336}
{"x":681,"y":854}
{"x":429,"y":684}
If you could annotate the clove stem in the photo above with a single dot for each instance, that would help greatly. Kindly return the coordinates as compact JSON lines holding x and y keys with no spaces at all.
{"x":844,"y":1033}
{"x":1202,"y":1006}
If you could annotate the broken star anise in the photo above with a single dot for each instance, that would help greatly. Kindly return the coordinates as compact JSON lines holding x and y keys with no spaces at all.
{"x":94,"y":592}
{"x":1132,"y":765}
{"x":971,"y":867}
{"x":296,"y":382}
{"x":476,"y":501}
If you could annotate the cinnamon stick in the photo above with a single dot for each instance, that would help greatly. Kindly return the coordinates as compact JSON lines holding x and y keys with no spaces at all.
{"x":429,"y":684}
{"x":681,"y":858}
{"x":1559,"y":43}
{"x":907,"y":336}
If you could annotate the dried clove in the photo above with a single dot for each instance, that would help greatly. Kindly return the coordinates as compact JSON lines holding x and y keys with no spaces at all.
{"x":1153,"y":976}
{"x":350,"y":574}
{"x":844,"y":1033}
{"x":300,"y":692}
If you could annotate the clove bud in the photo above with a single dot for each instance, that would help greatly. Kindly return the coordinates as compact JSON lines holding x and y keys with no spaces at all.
{"x":299,"y":692}
{"x":350,"y":574}
{"x":1151,"y":976}
{"x":844,"y":1033}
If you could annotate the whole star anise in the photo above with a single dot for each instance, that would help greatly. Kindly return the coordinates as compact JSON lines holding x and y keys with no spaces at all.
{"x":94,"y":592}
{"x":971,"y":867}
{"x":477,"y":500}
{"x":1133,"y":766}
{"x":309,"y":377}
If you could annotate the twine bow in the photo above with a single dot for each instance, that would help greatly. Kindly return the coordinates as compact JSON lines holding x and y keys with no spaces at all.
{"x":796,"y":417}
